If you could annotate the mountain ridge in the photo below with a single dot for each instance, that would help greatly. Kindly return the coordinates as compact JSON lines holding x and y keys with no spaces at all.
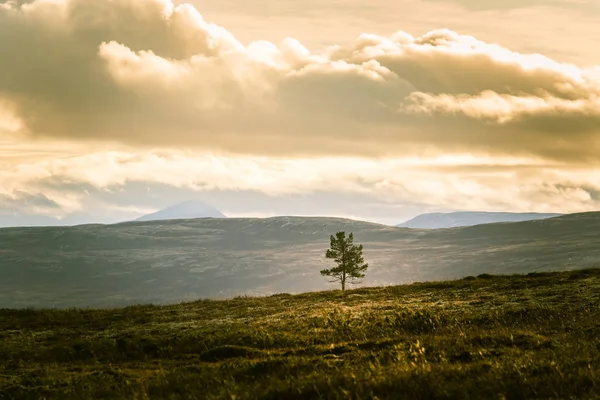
{"x":469,"y":218}
{"x":188,"y":209}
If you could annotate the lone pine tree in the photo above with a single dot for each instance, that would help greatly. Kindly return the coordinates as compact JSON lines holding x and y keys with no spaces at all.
{"x":348,"y":257}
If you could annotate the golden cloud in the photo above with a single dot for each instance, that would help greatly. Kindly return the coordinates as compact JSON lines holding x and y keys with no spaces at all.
{"x":147,"y":72}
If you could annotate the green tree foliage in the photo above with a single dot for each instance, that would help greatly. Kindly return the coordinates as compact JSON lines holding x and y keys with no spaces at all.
{"x":348,"y":257}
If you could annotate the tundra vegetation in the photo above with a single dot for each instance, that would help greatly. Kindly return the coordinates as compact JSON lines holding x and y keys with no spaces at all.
{"x":490,"y":337}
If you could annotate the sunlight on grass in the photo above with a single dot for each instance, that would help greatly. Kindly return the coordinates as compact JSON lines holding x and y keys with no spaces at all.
{"x":493,"y":337}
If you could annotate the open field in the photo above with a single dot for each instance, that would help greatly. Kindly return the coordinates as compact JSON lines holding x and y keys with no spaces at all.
{"x":165,"y":262}
{"x":486,"y":337}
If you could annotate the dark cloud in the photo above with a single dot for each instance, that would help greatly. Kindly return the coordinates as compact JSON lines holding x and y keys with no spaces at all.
{"x":20,"y":200}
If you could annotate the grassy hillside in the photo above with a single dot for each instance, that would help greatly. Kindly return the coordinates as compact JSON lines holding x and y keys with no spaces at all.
{"x":510,"y":337}
{"x":171,"y":261}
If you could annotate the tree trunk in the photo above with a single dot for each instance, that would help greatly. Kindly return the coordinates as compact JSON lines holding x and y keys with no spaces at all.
{"x":343,"y":285}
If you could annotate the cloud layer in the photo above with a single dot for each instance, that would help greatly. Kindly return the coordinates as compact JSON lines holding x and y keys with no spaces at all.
{"x":147,"y":72}
{"x":394,"y":186}
{"x":100,"y":97}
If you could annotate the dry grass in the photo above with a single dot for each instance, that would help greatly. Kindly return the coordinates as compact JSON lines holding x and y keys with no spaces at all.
{"x":493,"y":337}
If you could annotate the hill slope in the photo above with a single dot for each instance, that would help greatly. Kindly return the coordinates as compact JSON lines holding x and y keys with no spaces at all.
{"x":170,"y":261}
{"x":468,"y":218}
{"x":512,"y":337}
{"x":186,"y":210}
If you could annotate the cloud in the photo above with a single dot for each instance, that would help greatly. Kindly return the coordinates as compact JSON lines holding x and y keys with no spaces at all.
{"x":150,"y":73}
{"x":97,"y":97}
{"x":9,"y":121}
{"x":19,"y":201}
{"x":478,"y":5}
{"x":104,"y":184}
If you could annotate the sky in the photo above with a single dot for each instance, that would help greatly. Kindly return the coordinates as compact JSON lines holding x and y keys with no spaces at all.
{"x":369,"y":110}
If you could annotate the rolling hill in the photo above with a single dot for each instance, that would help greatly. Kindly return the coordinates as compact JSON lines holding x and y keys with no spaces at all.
{"x":172,"y":261}
{"x":468,"y":218}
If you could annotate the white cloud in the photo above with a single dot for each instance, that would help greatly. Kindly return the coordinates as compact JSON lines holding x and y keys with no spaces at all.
{"x":447,"y":182}
{"x":503,"y":108}
{"x":9,"y":121}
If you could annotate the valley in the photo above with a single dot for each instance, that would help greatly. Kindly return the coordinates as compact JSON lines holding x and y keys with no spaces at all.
{"x":180,"y":260}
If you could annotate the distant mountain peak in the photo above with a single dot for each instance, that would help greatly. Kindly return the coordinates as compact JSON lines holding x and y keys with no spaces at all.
{"x":469,"y":218}
{"x":188,"y":209}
